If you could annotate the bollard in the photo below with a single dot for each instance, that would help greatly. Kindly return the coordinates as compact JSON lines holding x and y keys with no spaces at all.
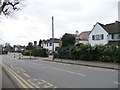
{"x":19,"y":56}
{"x":14,"y":55}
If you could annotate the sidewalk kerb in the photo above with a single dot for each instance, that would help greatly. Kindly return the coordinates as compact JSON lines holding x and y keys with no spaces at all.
{"x":80,"y":64}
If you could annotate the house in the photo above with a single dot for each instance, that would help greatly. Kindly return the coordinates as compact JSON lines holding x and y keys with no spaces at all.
{"x":18,"y":48}
{"x":82,"y":37}
{"x":48,"y":44}
{"x":105,"y":34}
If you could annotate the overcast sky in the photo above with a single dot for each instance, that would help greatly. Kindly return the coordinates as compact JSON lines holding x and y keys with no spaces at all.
{"x":33,"y":22}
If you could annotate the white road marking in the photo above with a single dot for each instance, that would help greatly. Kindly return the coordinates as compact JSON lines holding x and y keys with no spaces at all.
{"x":35,"y":79}
{"x":26,"y":75}
{"x":43,"y":80}
{"x":31,"y":82}
{"x":89,"y":67}
{"x":68,"y":71}
{"x":113,"y":70}
{"x":116,"y":82}
{"x":48,"y":86}
{"x":37,"y":87}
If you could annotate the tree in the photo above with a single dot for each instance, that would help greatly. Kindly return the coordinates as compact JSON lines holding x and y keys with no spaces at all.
{"x":8,"y":47}
{"x":9,"y":6}
{"x":40,"y":42}
{"x":68,"y":39}
{"x":29,"y":46}
{"x":35,"y":43}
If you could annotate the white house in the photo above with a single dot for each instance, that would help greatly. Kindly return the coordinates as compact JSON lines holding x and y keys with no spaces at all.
{"x":48,"y":44}
{"x":105,"y":34}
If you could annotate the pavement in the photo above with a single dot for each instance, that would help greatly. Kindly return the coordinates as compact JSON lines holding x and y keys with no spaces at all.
{"x":108,"y":65}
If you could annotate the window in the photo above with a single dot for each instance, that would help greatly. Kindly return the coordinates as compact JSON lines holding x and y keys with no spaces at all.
{"x":93,"y":37}
{"x":115,"y":36}
{"x":50,"y":44}
{"x":102,"y":36}
{"x":98,"y":37}
{"x":112,"y":36}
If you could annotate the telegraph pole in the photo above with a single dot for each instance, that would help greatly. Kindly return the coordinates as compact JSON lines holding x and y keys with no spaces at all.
{"x":53,"y":38}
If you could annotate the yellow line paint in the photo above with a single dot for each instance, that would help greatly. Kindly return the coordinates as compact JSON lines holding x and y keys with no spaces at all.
{"x":20,"y":78}
{"x":15,"y":77}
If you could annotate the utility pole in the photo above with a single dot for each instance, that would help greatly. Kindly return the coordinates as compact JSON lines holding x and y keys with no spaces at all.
{"x":53,"y":38}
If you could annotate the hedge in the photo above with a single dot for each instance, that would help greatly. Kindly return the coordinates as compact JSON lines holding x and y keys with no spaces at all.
{"x":89,"y":53}
{"x":41,"y":52}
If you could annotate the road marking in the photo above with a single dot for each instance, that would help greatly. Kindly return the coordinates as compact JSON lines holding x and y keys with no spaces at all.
{"x":116,"y":82}
{"x":68,"y":71}
{"x":31,"y":82}
{"x":48,"y":85}
{"x":60,"y":63}
{"x":89,"y":67}
{"x":37,"y":87}
{"x":35,"y":79}
{"x":20,"y":78}
{"x":15,"y":77}
{"x":26,"y":75}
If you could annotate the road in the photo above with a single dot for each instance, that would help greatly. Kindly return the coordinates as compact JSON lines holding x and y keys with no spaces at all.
{"x":36,"y":73}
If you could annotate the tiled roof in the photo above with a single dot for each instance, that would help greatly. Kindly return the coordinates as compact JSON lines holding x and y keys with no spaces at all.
{"x":112,"y":27}
{"x":84,"y":35}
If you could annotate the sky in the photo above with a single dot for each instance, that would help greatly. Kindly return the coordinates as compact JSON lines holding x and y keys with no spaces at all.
{"x":34,"y":21}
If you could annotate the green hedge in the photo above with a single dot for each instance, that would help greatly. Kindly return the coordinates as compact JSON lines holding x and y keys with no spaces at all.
{"x":41,"y":52}
{"x":26,"y":52}
{"x":89,"y":53}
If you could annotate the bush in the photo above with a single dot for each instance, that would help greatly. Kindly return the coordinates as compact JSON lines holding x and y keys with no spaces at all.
{"x":41,"y":52}
{"x":87,"y":52}
{"x":26,"y":52}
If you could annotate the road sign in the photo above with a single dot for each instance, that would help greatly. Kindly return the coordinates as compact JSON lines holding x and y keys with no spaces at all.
{"x":60,"y":43}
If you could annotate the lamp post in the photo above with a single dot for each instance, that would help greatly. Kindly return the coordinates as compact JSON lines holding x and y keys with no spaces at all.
{"x":53,"y":38}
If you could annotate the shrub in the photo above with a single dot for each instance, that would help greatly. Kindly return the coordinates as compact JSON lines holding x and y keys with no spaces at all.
{"x":40,"y":52}
{"x":87,"y":52}
{"x":26,"y":52}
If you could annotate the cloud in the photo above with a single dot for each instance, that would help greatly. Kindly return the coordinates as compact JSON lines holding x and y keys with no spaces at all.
{"x":33,"y":22}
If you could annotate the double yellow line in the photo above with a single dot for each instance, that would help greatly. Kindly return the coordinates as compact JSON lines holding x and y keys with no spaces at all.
{"x":21,"y":81}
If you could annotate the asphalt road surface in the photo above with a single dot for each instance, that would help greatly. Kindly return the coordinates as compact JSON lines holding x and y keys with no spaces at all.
{"x":36,"y":73}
